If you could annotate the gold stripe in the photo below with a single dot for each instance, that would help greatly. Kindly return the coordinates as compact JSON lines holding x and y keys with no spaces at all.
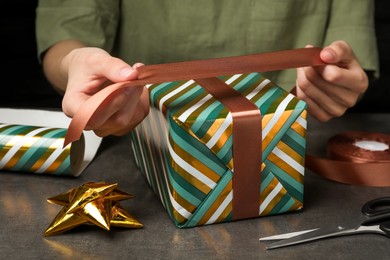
{"x":27,"y":144}
{"x":290,"y":152}
{"x":217,"y":203}
{"x":213,"y":129}
{"x":222,"y":139}
{"x":275,"y":199}
{"x":286,"y":167}
{"x":296,"y":206}
{"x":263,"y":91}
{"x":194,"y":163}
{"x":38,"y":164}
{"x":178,"y":217}
{"x":57,"y":162}
{"x":298,"y":128}
{"x":176,"y":96}
{"x":183,"y":202}
{"x":276,"y":128}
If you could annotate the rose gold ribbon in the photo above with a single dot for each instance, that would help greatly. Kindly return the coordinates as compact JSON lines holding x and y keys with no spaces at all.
{"x":247,"y":155}
{"x":349,"y":164}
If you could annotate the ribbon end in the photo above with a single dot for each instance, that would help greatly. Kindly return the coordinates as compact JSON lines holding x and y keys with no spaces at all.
{"x":74,"y":132}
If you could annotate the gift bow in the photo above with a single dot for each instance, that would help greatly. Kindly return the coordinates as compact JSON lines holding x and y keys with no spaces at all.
{"x":247,"y":139}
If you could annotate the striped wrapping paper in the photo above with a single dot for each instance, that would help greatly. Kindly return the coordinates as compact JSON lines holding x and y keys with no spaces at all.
{"x":184,"y":148}
{"x":34,"y":149}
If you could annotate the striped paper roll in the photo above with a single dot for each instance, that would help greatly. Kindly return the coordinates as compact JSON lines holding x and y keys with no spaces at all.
{"x":38,"y":150}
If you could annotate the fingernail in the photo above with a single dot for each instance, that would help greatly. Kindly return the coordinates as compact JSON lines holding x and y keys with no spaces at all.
{"x":126,"y":72}
{"x":329,"y":54}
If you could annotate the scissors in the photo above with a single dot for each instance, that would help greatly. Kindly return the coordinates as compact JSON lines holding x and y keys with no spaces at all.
{"x":377,"y":212}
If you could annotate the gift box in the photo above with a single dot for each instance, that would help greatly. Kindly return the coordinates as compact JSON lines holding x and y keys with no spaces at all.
{"x":185,"y":149}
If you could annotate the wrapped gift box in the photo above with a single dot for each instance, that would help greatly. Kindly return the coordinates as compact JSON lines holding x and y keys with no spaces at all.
{"x":184,"y":148}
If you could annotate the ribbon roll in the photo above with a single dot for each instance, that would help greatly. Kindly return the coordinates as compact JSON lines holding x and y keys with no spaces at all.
{"x":355,"y":157}
{"x":38,"y":150}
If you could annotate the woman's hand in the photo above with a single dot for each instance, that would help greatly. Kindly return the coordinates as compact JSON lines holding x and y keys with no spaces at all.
{"x":331,"y":89}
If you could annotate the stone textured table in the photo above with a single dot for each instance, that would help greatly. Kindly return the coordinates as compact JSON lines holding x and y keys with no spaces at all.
{"x":25,"y":214}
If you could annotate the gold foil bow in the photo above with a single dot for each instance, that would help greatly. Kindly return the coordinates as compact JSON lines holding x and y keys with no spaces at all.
{"x":91,"y":203}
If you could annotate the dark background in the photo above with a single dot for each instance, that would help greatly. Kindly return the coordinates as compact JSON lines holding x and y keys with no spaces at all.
{"x":24,"y":86}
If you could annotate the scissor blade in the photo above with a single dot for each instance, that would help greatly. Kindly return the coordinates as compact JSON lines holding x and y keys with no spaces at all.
{"x":286,"y":235}
{"x":312,"y":236}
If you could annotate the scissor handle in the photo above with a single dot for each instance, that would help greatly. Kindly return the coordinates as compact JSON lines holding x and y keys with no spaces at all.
{"x":385,"y":227}
{"x":376,"y":207}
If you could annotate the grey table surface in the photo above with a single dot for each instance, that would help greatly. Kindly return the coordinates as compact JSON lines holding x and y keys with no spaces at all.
{"x":25,"y":213}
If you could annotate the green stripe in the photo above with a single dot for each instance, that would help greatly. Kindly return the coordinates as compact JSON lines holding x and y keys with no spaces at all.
{"x":225,"y":154}
{"x":209,"y":200}
{"x":287,"y":206}
{"x":266,"y":179}
{"x":267,"y":101}
{"x":195,"y":148}
{"x":64,"y":168}
{"x":294,"y":187}
{"x":32,"y":155}
{"x":185,"y":189}
{"x":280,"y":205}
{"x":9,"y":132}
{"x":157,"y":91}
{"x":295,"y":141}
{"x":291,"y":119}
{"x":203,"y":123}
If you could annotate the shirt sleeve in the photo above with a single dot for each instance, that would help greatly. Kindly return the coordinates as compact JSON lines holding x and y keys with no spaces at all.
{"x":353,"y":22}
{"x":93,"y":22}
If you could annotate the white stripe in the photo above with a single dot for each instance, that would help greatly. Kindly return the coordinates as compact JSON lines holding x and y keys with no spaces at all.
{"x":172,"y":93}
{"x":19,"y":141}
{"x":142,"y":153}
{"x":229,"y":118}
{"x":302,"y":122}
{"x":278,"y":113}
{"x":290,"y":161}
{"x":258,"y":88}
{"x":217,"y":136}
{"x":191,"y":170}
{"x":270,"y":197}
{"x":183,"y":117}
{"x":182,"y":211}
{"x":221,"y":208}
{"x":57,"y":152}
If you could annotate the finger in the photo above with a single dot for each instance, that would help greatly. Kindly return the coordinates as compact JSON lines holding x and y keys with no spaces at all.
{"x":116,"y":70}
{"x":310,"y":92}
{"x":314,"y":109}
{"x":310,"y":80}
{"x":137,"y":65}
{"x":354,"y":78}
{"x":339,"y":52}
{"x":140,"y":112}
{"x":118,"y":115}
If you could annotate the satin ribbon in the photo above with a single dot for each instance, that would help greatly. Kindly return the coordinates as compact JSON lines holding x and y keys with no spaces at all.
{"x":350,"y":164}
{"x":247,"y":157}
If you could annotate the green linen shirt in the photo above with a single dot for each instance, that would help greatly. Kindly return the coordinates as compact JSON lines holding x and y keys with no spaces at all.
{"x":160,"y":31}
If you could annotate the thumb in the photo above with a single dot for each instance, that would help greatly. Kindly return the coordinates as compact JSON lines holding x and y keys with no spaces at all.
{"x":116,"y":70}
{"x":328,"y":55}
{"x":338,"y":52}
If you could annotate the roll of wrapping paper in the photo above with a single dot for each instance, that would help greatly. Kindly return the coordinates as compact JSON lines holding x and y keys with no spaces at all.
{"x":348,"y":163}
{"x":34,"y":149}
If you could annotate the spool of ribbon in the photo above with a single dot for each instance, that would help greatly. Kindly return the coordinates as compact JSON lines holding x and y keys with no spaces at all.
{"x":247,"y":141}
{"x":355,"y":157}
{"x":36,"y":149}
